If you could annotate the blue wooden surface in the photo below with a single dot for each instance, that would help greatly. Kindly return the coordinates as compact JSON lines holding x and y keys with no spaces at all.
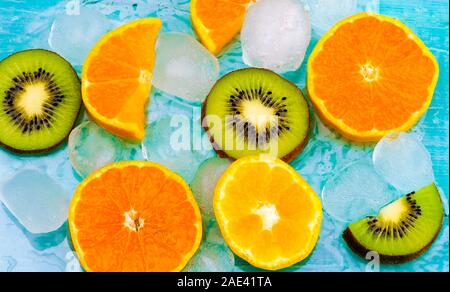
{"x":25,"y":24}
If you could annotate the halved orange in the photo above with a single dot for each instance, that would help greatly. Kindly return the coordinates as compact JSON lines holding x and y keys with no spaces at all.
{"x":117,"y":77}
{"x":370,"y":75}
{"x":267,"y":213}
{"x":218,"y":22}
{"x":134,"y":216}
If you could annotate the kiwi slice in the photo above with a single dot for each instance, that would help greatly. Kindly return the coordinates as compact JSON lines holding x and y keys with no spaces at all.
{"x":403,"y":230}
{"x":256,"y":111}
{"x":40,"y":100}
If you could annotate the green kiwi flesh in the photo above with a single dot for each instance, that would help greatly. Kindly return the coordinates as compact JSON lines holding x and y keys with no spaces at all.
{"x":256,"y":111}
{"x":40,"y":99}
{"x":402,"y":231}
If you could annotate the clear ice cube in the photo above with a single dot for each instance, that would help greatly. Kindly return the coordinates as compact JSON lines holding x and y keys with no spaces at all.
{"x":326,"y":13}
{"x":37,"y":201}
{"x":74,"y":33}
{"x":211,"y":258}
{"x":214,"y":255}
{"x":91,"y":147}
{"x":184,"y":67}
{"x":275,"y":35}
{"x":403,"y":161}
{"x":171,"y":142}
{"x":204,"y":183}
{"x":356,"y":191}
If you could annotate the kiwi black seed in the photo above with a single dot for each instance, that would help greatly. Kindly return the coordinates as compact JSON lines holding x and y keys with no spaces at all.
{"x":259,"y":112}
{"x":402,"y":231}
{"x":40,"y":99}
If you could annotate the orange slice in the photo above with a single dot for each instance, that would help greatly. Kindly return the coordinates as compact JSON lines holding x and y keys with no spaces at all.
{"x":272,"y":219}
{"x":370,"y":75}
{"x":217,"y":22}
{"x":134,"y":216}
{"x":117,"y":76}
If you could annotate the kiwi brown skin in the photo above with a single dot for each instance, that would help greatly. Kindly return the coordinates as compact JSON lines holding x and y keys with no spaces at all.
{"x":57,"y":145}
{"x":287,"y":158}
{"x":360,"y":250}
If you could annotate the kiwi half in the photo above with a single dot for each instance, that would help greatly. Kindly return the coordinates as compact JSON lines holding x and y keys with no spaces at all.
{"x":256,"y":111}
{"x":402,"y":231}
{"x":40,"y":99}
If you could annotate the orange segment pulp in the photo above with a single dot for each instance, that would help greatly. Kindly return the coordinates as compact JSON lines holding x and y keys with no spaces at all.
{"x":371,"y":75}
{"x":134,"y":216}
{"x":267,"y":212}
{"x":117,"y":76}
{"x":217,"y":22}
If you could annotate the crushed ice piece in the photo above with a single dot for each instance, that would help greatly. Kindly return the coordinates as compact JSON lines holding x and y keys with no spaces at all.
{"x":356,"y":191}
{"x":171,"y":142}
{"x":37,"y":201}
{"x":275,"y":35}
{"x":403,"y":161}
{"x":211,"y":258}
{"x":204,"y":183}
{"x":91,"y":147}
{"x":74,"y":34}
{"x":184,"y":67}
{"x":214,"y":255}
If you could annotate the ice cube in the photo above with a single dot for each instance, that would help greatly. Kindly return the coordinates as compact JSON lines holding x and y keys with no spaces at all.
{"x":325,"y":13}
{"x":37,"y":201}
{"x":73,"y":35}
{"x":170,"y":142}
{"x":275,"y":35}
{"x":184,"y":67}
{"x":356,"y":191}
{"x":211,"y":258}
{"x":205,"y":181}
{"x":91,"y":147}
{"x":403,"y":161}
{"x":214,"y":255}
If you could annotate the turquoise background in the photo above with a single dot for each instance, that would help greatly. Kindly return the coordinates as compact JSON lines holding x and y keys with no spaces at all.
{"x":25,"y":24}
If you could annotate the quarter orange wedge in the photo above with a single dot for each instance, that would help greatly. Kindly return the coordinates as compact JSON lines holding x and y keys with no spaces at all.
{"x":267,"y":213}
{"x":370,"y":75}
{"x":117,"y":77}
{"x":134,"y":216}
{"x":217,"y":22}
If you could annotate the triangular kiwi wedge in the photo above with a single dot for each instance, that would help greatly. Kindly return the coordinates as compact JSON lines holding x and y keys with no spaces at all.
{"x":402,"y":230}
